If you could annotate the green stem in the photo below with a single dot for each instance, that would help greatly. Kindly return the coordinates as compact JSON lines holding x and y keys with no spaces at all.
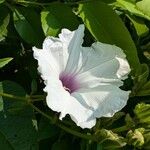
{"x":14,"y":97}
{"x":9,"y":6}
{"x":120,"y":129}
{"x":31,"y":3}
{"x":36,"y":98}
{"x":27,"y":99}
{"x":47,"y":4}
{"x":52,"y":119}
{"x":41,"y":112}
{"x":78,"y":134}
{"x":12,"y":9}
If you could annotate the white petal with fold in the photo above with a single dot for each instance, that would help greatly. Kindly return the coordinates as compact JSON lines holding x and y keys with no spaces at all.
{"x":102,"y":63}
{"x":74,"y":49}
{"x":47,"y":65}
{"x":104,"y":100}
{"x":110,"y":59}
{"x":61,"y":101}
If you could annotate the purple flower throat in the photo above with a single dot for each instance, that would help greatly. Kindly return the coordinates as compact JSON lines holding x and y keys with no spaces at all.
{"x":69,"y":82}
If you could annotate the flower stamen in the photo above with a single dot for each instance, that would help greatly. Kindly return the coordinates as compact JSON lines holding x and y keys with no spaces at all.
{"x":67,"y":89}
{"x":69,"y":82}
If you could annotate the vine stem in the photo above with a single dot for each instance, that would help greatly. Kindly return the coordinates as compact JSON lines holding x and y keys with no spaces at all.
{"x":54,"y":120}
{"x":14,"y":97}
{"x":47,"y":4}
{"x":81,"y":135}
{"x":120,"y":129}
{"x":12,"y":9}
{"x":31,"y":3}
{"x":36,"y":98}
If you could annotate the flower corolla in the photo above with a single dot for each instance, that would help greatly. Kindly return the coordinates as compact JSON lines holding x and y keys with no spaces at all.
{"x":83,"y":82}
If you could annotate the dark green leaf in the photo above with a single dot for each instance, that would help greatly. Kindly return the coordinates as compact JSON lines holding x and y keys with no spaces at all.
{"x":4,"y":61}
{"x":16,"y":119}
{"x":4,"y":21}
{"x":1,"y":104}
{"x":106,"y":26}
{"x":4,"y":143}
{"x":46,"y":130}
{"x":99,"y":147}
{"x":61,"y":145}
{"x":27,"y":24}
{"x":58,"y":16}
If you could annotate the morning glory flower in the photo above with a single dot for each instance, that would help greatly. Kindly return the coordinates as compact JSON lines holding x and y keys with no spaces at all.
{"x":82,"y":81}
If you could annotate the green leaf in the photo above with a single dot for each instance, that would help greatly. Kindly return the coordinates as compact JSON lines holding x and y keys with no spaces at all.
{"x":140,"y":81}
{"x":132,"y":8}
{"x":108,"y":1}
{"x":142,"y":112}
{"x":106,"y":26}
{"x":62,"y":145}
{"x":142,"y":74}
{"x":140,"y":27}
{"x":144,"y":6}
{"x":28,"y":25}
{"x":107,"y":122}
{"x":54,"y":19}
{"x":4,"y":143}
{"x":1,"y":1}
{"x":129,"y":121}
{"x":16,"y":119}
{"x":146,"y":145}
{"x":5,"y":61}
{"x":136,"y":138}
{"x":46,"y":130}
{"x":110,"y":140}
{"x":145,"y":90}
{"x":4,"y":21}
{"x":99,"y":147}
{"x":14,"y":89}
{"x":1,"y":104}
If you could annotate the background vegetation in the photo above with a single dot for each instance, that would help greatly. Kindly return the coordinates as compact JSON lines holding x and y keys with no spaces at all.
{"x":26,"y":123}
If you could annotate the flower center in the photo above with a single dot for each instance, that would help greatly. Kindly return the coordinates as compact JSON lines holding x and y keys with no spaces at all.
{"x":69,"y":82}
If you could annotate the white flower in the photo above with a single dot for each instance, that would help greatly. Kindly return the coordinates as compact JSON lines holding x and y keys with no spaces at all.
{"x":82,"y":81}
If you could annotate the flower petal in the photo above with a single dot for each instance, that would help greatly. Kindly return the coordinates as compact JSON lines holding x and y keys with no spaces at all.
{"x":61,"y":101}
{"x":66,"y":49}
{"x":72,"y":42}
{"x":104,"y":100}
{"x":55,"y":48}
{"x":47,"y":65}
{"x":108,"y":62}
{"x":66,"y":36}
